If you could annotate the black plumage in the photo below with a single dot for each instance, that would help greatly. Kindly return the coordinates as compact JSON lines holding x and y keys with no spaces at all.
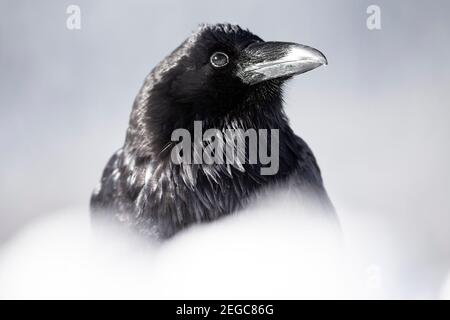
{"x":143,"y":188}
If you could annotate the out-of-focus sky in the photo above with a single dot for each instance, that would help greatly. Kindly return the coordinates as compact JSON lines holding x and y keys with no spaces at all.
{"x":377,"y":117}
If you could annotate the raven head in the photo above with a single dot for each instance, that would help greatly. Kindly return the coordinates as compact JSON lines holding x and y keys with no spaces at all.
{"x":219,"y":74}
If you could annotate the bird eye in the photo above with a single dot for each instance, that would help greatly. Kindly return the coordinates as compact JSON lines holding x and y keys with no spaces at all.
{"x":219,"y":59}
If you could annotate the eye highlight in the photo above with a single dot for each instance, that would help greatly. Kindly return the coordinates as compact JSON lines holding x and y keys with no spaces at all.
{"x":219,"y":59}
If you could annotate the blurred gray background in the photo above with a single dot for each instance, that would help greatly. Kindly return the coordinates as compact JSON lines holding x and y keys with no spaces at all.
{"x":377,"y":117}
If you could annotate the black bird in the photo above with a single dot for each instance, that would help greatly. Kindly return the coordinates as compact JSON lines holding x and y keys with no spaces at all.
{"x":226,"y":77}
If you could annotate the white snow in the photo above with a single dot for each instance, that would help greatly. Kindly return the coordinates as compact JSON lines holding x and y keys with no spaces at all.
{"x":445,"y":293}
{"x":258,"y":254}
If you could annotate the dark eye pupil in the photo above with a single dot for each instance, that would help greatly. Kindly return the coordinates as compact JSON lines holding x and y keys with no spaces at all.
{"x":219,"y":59}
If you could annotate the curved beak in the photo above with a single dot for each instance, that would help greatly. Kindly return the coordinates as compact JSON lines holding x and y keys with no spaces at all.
{"x":269,"y":60}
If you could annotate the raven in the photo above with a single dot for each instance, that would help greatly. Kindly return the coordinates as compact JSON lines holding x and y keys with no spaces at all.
{"x":226,"y":77}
